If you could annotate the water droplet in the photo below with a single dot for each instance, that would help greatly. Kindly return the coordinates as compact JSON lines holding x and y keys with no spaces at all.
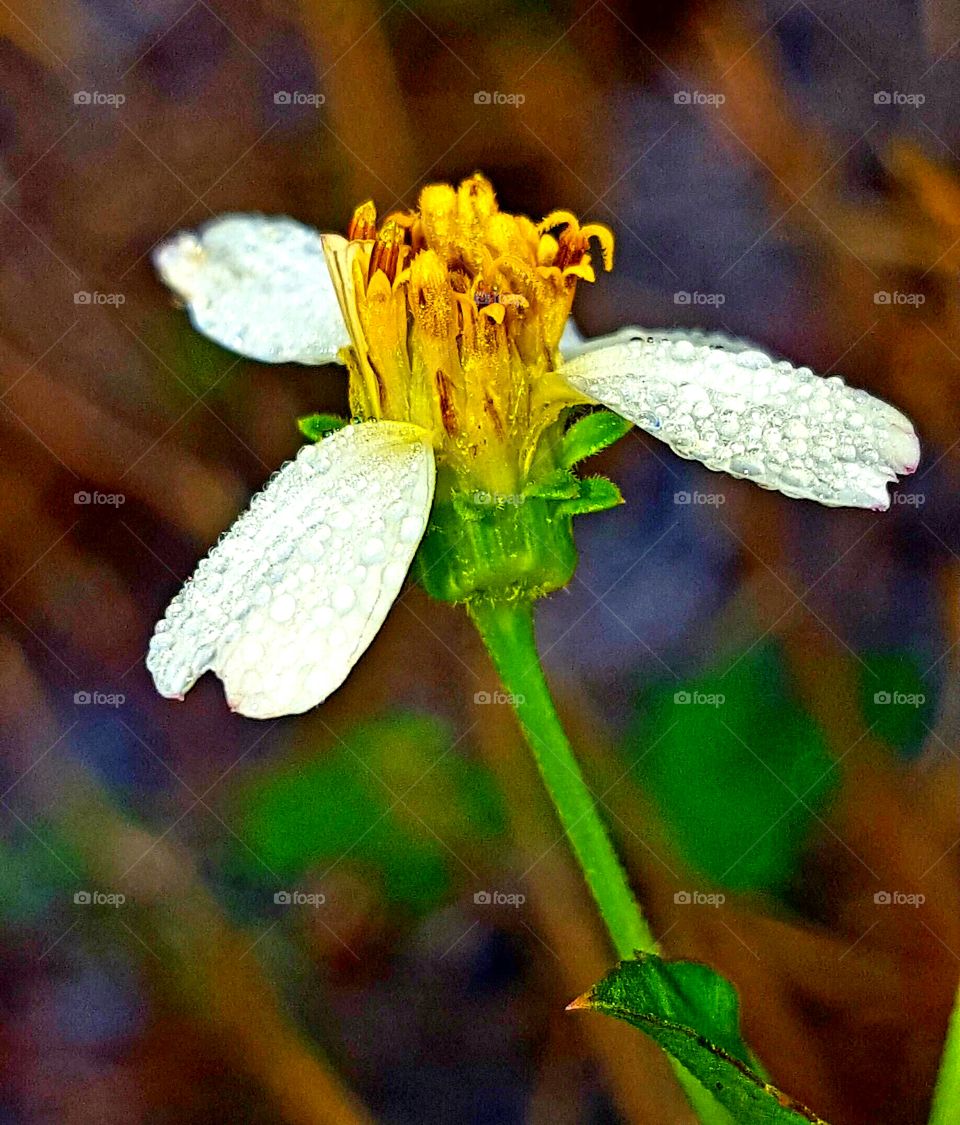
{"x":283,"y":607}
{"x":344,"y":598}
{"x":373,"y":551}
{"x":411,"y":529}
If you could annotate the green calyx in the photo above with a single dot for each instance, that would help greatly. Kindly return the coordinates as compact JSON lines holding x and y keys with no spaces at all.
{"x":480,"y":546}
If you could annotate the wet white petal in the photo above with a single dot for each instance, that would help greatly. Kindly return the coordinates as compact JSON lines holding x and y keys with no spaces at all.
{"x":727,"y":404}
{"x":288,"y":600}
{"x":572,"y":341}
{"x":258,"y":285}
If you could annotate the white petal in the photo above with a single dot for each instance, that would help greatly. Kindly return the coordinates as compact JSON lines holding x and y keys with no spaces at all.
{"x":288,"y":600}
{"x":723,"y":402}
{"x":258,"y":285}
{"x":572,"y":340}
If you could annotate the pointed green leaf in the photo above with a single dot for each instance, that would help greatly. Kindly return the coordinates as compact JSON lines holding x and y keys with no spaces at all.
{"x":590,"y":434}
{"x":595,"y":494}
{"x":314,"y":427}
{"x":693,"y":1014}
{"x":558,"y":485}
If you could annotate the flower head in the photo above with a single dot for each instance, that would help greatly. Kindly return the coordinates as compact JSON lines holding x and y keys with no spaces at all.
{"x":453,"y":321}
{"x":455,"y":313}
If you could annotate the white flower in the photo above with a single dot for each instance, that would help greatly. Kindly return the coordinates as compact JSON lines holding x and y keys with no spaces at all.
{"x":292,"y":595}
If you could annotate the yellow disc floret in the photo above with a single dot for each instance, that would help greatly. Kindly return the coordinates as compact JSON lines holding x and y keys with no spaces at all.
{"x":455,"y":313}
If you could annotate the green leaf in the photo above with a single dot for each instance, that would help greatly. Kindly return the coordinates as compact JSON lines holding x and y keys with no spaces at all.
{"x":595,"y":494}
{"x":314,"y":427}
{"x":762,"y":768}
{"x":558,"y":485}
{"x":365,"y":799}
{"x":590,"y":434}
{"x":897,"y":702}
{"x":693,"y":1013}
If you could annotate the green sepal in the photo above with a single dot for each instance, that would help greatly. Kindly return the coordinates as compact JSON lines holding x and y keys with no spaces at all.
{"x":558,"y":485}
{"x":590,"y":434}
{"x":693,"y":1013}
{"x":314,"y":427}
{"x":594,"y":494}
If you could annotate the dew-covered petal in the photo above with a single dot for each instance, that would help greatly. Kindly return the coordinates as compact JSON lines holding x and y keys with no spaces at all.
{"x":258,"y":285}
{"x":572,"y":340}
{"x":291,"y":596}
{"x":739,"y":411}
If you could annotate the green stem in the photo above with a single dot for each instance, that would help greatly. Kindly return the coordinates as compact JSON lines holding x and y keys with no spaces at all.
{"x":945,"y":1108}
{"x":507,"y":632}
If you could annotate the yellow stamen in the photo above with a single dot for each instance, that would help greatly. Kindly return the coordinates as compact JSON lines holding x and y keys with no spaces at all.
{"x":455,"y":313}
{"x":363,"y":225}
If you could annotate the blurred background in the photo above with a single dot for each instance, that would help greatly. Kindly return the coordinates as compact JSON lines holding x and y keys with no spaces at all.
{"x":368,"y":913}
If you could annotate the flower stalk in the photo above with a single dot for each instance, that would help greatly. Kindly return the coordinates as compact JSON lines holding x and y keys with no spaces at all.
{"x":506,"y":629}
{"x":507,"y":632}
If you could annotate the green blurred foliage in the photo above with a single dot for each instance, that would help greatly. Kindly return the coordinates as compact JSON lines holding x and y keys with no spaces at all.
{"x":896,"y":701}
{"x":727,"y":775}
{"x":34,"y":872}
{"x":392,"y":795}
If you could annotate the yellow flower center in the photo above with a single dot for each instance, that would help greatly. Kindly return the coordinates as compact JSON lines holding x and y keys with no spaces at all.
{"x":455,"y":313}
